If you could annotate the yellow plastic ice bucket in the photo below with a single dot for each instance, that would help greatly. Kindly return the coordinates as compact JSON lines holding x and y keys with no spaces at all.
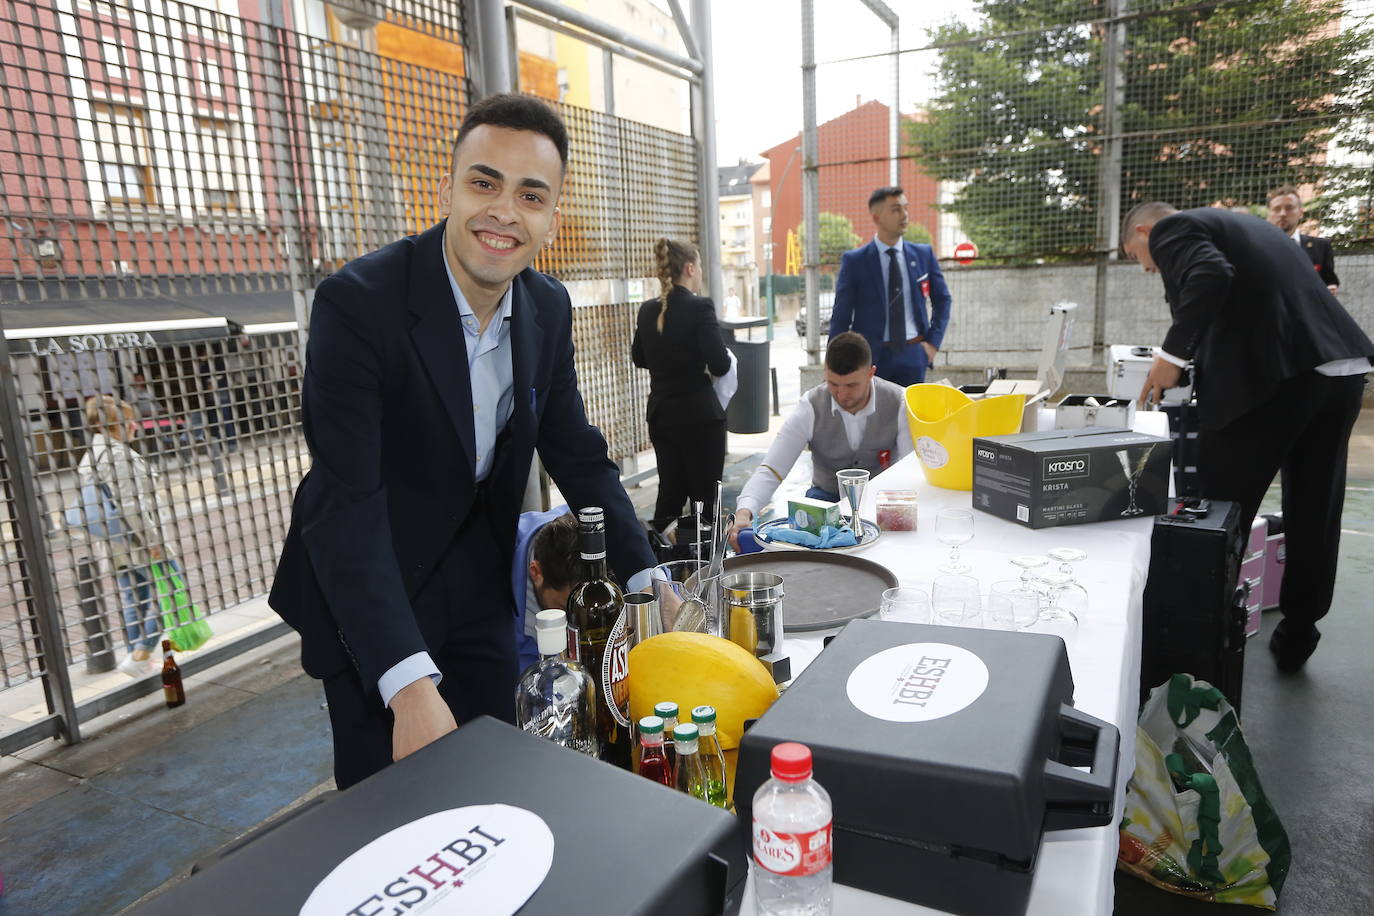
{"x":944,"y":421}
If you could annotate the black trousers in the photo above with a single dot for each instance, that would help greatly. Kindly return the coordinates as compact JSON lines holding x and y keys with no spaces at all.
{"x":691,"y":458}
{"x":1303,"y":432}
{"x":475,"y":654}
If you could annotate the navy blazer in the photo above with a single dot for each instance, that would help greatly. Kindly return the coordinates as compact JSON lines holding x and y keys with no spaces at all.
{"x":387,"y":412}
{"x":861,"y":298}
{"x":1247,"y":307}
{"x":1323,"y":260}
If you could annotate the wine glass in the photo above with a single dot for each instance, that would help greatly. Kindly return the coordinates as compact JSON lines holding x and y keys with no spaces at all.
{"x":1025,"y":601}
{"x":1067,"y":556}
{"x":909,"y":604}
{"x":954,"y":601}
{"x":999,"y":611}
{"x":1072,"y":595}
{"x":954,"y":528}
{"x":1028,"y":562}
{"x":1057,"y":617}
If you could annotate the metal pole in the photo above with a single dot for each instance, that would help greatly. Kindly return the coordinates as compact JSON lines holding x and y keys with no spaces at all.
{"x":282,"y":145}
{"x":895,"y":137}
{"x":710,"y":181}
{"x":33,"y":554}
{"x":1109,"y":174}
{"x":493,"y":57}
{"x":811,"y":186}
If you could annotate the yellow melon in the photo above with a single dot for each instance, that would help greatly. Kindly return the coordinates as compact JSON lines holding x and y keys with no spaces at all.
{"x":695,"y":669}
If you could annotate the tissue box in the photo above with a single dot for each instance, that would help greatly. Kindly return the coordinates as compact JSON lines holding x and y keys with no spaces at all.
{"x":813,"y":514}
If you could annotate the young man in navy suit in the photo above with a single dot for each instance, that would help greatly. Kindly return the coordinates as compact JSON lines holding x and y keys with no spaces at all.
{"x":886,"y":305}
{"x":435,"y":368}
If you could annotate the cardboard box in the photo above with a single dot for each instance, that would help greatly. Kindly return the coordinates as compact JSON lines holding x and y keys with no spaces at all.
{"x":813,"y":514}
{"x":947,"y":753}
{"x":1070,"y":476}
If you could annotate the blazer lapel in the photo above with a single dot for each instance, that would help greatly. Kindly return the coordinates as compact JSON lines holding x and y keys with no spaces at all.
{"x":438,"y":336}
{"x":527,"y":339}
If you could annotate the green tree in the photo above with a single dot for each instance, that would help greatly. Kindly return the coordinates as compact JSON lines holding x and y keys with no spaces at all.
{"x":1221,"y":103}
{"x":915,"y":232}
{"x":837,"y":237}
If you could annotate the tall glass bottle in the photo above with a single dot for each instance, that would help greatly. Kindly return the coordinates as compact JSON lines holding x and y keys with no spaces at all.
{"x":688,"y":774}
{"x":596,"y":627}
{"x":667,"y":711}
{"x":712,"y":757}
{"x":556,"y":698}
{"x":172,"y":689}
{"x":653,"y":763}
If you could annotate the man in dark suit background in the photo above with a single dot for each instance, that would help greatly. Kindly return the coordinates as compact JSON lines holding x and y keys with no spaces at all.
{"x":435,"y":367}
{"x":1280,"y":370}
{"x":1285,"y":211}
{"x":889,"y":308}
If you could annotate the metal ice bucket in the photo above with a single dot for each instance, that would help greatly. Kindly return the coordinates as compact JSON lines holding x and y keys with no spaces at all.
{"x":751,"y":611}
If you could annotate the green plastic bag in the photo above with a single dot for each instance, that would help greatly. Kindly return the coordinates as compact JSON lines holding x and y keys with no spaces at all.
{"x":180,"y":623}
{"x":1197,"y":822}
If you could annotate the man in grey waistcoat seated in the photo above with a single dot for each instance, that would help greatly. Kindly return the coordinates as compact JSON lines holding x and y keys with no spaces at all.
{"x":853,"y":420}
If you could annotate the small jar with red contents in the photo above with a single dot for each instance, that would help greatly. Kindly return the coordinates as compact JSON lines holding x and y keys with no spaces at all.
{"x":896,"y":510}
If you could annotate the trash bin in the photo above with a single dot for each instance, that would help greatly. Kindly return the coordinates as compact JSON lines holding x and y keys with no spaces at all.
{"x":748,"y":410}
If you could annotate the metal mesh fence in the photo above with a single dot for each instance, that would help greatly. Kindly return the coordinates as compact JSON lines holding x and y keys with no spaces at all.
{"x":161,"y":158}
{"x":195,"y":443}
{"x":1031,"y":128}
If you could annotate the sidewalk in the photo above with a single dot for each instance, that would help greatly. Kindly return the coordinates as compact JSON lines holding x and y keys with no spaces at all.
{"x":94,"y":828}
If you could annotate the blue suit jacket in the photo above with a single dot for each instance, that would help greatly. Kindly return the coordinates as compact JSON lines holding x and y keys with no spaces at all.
{"x":861,"y":302}
{"x":387,"y":412}
{"x":530,"y":523}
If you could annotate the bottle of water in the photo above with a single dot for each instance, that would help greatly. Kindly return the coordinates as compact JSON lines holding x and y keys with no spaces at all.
{"x":792,"y":873}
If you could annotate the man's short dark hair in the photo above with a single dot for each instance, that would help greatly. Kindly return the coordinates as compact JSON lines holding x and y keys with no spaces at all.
{"x":555,"y":547}
{"x":882,"y":194}
{"x":515,"y":111}
{"x":848,"y":352}
{"x":1140,"y":214}
{"x":1283,"y":191}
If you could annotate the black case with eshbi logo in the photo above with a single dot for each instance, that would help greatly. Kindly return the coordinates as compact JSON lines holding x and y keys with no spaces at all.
{"x":1070,"y":476}
{"x":622,"y":844}
{"x":947,"y":753}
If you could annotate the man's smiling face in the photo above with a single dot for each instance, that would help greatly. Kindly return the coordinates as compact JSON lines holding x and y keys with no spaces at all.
{"x":501,"y":201}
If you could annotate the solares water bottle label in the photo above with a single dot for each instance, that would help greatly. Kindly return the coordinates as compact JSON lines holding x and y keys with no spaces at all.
{"x":917,"y":682}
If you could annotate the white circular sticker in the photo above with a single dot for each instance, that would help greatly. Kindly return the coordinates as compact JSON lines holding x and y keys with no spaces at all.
{"x":931,"y":453}
{"x":917,"y":682}
{"x":486,"y":859}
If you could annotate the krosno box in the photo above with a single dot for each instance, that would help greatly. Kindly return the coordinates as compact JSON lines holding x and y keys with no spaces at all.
{"x":1071,"y":476}
{"x":947,"y":753}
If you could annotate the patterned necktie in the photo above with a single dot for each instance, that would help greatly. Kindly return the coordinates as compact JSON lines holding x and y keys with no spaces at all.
{"x":896,"y":307}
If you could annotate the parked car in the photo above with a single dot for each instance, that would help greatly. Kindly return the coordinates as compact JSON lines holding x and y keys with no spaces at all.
{"x":827,"y":300}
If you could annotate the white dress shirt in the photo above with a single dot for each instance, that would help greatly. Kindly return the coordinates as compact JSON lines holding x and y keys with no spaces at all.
{"x":795,"y":436}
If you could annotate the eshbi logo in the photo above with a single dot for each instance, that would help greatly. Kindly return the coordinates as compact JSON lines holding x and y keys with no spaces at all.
{"x":1062,"y":466}
{"x":433,"y":877}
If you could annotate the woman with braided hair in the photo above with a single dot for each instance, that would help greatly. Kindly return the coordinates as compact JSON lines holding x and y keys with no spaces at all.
{"x":678,"y":340}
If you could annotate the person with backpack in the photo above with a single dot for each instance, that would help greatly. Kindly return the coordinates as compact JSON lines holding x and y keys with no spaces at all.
{"x":123,"y":477}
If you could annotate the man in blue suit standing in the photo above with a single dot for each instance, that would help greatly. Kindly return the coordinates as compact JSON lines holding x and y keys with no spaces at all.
{"x":886,"y":306}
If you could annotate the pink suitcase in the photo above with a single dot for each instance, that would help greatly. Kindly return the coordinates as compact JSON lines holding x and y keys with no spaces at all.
{"x":1252,"y":574}
{"x":1275,"y":555}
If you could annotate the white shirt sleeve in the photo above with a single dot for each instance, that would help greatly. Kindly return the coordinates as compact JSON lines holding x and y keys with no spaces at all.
{"x":792,"y":439}
{"x":406,"y":672}
{"x":1171,"y":358}
{"x":904,"y":444}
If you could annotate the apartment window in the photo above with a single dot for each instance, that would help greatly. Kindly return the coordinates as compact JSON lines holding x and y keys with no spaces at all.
{"x":767,"y":199}
{"x":212,"y":78}
{"x":220,"y":164}
{"x":122,"y":144}
{"x":334,"y":162}
{"x":112,"y":59}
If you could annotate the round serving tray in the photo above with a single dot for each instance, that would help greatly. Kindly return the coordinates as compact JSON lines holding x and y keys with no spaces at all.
{"x":821,"y":589}
{"x":762,"y":535}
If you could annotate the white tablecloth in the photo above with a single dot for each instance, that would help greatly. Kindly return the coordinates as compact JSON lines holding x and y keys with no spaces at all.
{"x":1074,"y":871}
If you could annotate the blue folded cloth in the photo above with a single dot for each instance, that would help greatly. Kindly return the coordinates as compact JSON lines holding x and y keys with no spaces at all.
{"x":829,"y":537}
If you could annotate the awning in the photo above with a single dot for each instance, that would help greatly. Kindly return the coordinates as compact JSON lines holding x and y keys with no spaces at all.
{"x":55,"y":303}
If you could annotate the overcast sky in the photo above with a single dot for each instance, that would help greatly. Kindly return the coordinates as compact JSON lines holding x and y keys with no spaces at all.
{"x":757,"y":45}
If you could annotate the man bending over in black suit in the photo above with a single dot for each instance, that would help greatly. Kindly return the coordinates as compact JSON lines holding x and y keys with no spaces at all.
{"x":1285,"y":211}
{"x":1280,"y":374}
{"x":435,"y":367}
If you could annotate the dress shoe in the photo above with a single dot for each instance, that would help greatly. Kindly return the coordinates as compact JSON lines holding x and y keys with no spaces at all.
{"x":1293,"y":646}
